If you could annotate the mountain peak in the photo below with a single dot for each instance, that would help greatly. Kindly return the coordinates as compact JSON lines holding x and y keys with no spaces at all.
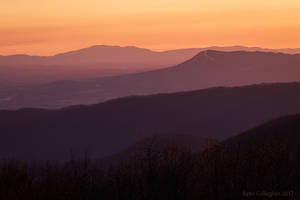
{"x":208,"y":55}
{"x":221,"y":54}
{"x":98,"y":50}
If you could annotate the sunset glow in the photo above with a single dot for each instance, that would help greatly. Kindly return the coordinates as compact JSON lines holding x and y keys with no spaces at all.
{"x":43,"y":27}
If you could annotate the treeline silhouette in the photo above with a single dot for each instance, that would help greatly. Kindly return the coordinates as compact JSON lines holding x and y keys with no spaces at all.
{"x":229,"y":170}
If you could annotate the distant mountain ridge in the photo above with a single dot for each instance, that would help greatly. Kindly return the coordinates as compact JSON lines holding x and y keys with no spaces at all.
{"x":93,"y":62}
{"x":99,"y":61}
{"x":129,"y":54}
{"x":207,"y":69}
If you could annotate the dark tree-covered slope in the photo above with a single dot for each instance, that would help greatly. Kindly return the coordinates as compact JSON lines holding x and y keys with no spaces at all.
{"x":106,"y":128}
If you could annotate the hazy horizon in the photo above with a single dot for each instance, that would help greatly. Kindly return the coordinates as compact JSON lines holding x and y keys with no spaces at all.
{"x":46,"y":28}
{"x":160,"y":50}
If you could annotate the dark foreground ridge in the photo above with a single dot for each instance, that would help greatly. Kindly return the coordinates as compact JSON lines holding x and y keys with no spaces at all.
{"x":107,"y":128}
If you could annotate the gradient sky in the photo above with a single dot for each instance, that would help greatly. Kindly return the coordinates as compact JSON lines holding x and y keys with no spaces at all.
{"x":46,"y":27}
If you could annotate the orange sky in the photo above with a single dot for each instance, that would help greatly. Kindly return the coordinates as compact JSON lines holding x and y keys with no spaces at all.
{"x":46,"y":27}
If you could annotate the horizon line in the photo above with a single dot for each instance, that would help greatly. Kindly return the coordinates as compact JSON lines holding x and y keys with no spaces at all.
{"x":155,"y":50}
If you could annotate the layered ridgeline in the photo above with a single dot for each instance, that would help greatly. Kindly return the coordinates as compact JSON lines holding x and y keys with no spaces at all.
{"x":106,"y":128}
{"x":206,"y":69}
